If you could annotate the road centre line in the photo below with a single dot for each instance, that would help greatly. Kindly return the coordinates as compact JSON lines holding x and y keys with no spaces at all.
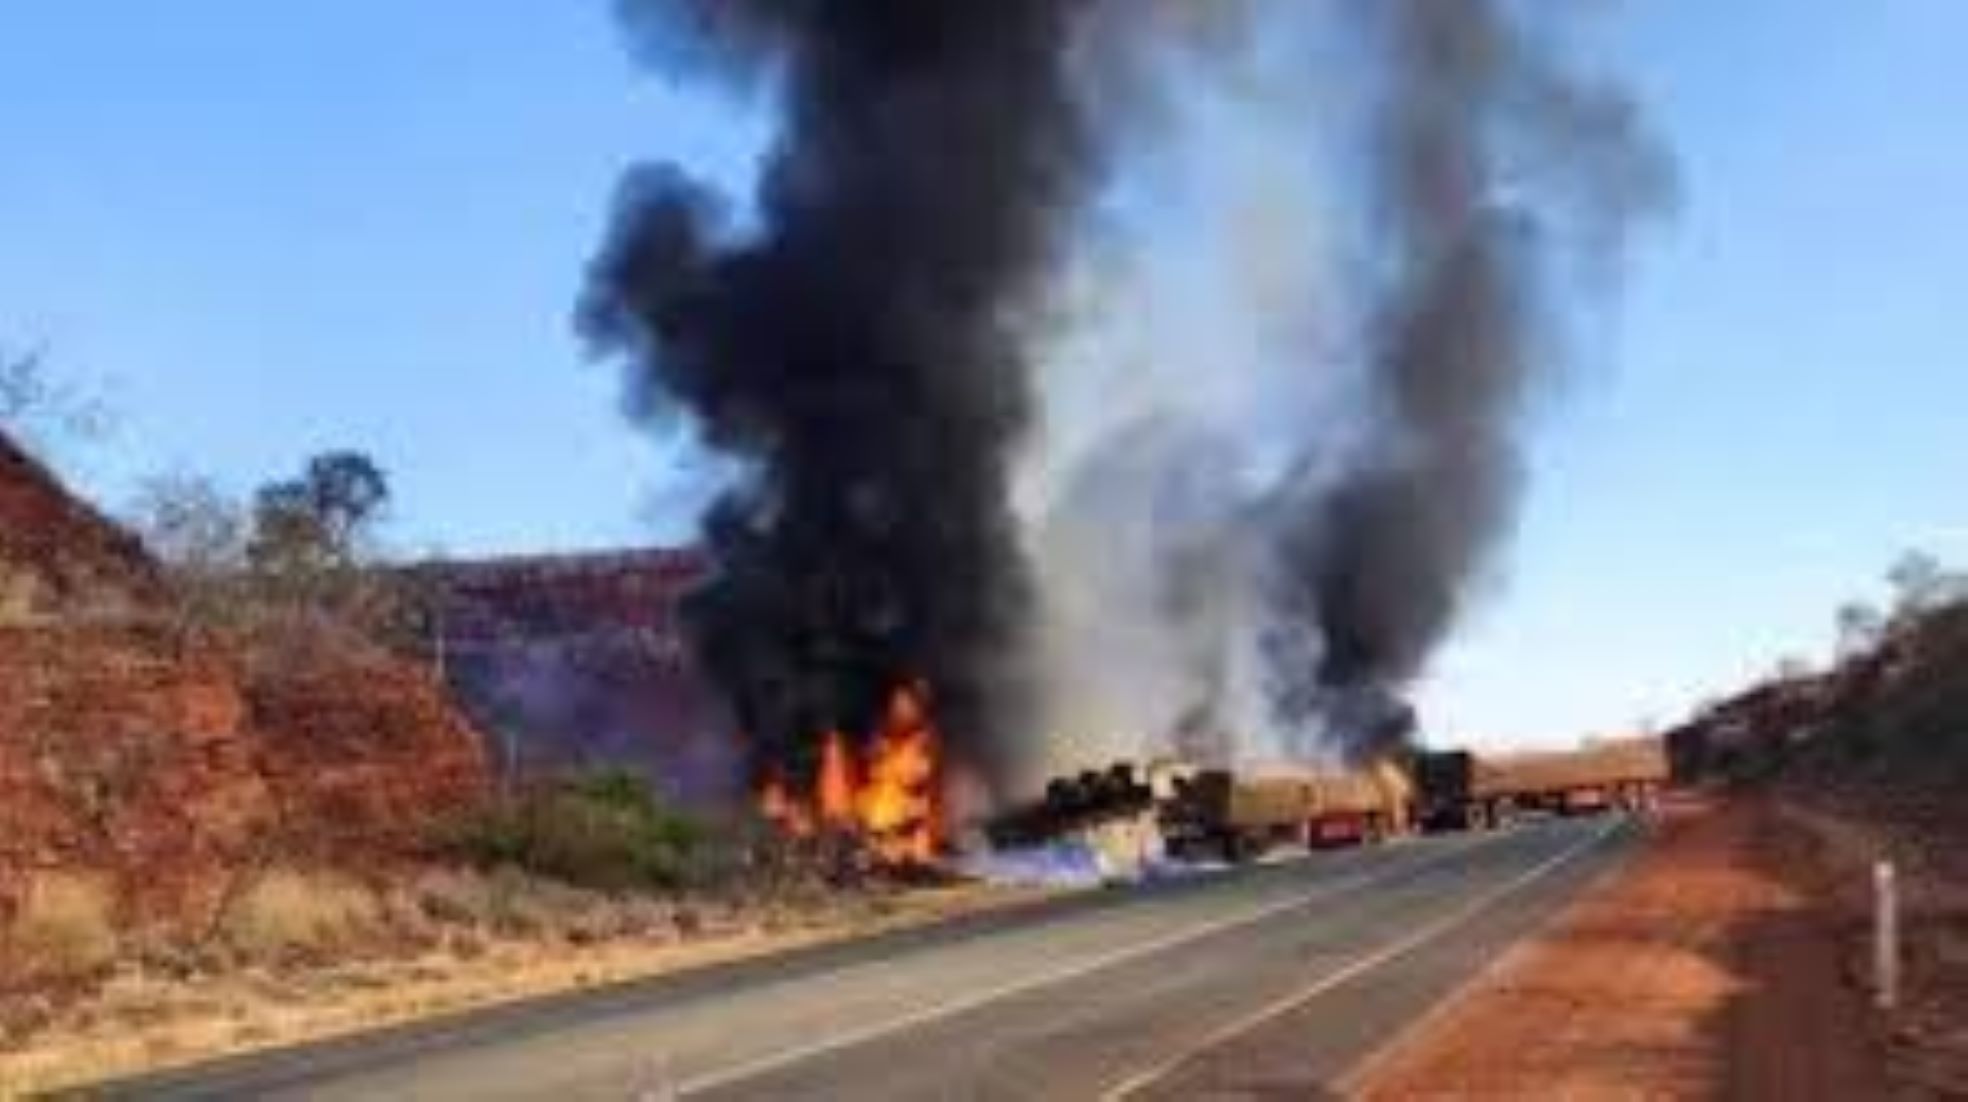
{"x":1358,"y":967}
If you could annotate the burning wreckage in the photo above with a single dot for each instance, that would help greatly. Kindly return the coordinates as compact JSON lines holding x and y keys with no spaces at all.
{"x":582,"y":658}
{"x":888,"y":797}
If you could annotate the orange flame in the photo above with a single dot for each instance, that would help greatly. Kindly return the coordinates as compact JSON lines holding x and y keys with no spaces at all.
{"x":892,"y":801}
{"x":836,"y":787}
{"x":898,"y":805}
{"x":779,"y":807}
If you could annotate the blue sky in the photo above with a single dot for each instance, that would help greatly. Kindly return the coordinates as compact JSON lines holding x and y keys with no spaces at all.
{"x":265,"y":229}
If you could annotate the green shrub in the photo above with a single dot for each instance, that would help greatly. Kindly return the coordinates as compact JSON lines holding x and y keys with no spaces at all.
{"x":604,"y":829}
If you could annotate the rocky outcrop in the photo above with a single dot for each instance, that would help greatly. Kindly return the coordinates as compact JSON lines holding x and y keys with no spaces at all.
{"x":58,"y":555}
{"x":361,"y":751}
{"x":166,"y":759}
{"x":124,"y":751}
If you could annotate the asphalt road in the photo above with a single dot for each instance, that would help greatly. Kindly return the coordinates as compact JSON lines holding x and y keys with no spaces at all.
{"x":1271,"y":981}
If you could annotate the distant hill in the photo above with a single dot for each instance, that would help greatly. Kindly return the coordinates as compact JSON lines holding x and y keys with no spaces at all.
{"x":1897,"y":711}
{"x":577,"y":659}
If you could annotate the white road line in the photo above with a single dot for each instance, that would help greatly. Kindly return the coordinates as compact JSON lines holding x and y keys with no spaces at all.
{"x":939,"y":1011}
{"x":1356,"y":968}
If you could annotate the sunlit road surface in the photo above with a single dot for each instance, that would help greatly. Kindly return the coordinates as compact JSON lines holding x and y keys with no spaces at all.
{"x":1272,"y":981}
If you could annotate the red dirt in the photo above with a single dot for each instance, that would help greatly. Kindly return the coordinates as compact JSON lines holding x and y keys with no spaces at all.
{"x":1924,"y":831}
{"x":362,"y":750}
{"x":1713,"y":965}
{"x":122,"y":752}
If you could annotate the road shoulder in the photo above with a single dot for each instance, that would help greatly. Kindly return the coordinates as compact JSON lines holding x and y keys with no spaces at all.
{"x":1710,"y":966}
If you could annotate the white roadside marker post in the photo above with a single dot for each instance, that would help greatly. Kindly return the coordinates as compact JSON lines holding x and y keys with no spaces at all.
{"x":1885,"y":936}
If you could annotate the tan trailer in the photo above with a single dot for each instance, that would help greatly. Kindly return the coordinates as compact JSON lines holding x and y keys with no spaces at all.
{"x":1626,"y":774}
{"x":1457,"y":790}
{"x":1240,"y":814}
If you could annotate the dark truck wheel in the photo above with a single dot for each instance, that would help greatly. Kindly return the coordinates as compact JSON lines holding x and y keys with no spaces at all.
{"x":1235,"y":849}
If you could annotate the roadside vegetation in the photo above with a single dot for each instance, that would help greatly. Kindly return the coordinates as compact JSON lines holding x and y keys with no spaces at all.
{"x":1867,"y":759}
{"x":238,"y":806}
{"x":603,"y":830}
{"x":1892,"y":705}
{"x":299,"y":565}
{"x":237,"y":803}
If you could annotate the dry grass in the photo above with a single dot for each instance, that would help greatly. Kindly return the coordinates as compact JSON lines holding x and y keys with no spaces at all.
{"x":287,"y":913}
{"x":63,"y":930}
{"x":463,"y":939}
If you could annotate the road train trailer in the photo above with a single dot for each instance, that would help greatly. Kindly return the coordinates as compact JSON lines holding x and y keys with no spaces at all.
{"x":1233,"y":815}
{"x":1459,"y":790}
{"x":1220,"y":813}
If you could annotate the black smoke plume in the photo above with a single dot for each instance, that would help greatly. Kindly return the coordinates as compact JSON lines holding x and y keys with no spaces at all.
{"x":858,"y":352}
{"x":1489,"y":167}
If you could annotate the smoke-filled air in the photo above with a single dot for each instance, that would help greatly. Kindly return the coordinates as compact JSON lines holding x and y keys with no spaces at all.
{"x":1133,"y":378}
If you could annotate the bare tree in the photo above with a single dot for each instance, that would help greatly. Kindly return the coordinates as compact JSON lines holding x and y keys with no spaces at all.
{"x":200,"y":535}
{"x":190,"y":523}
{"x":38,"y":410}
{"x":302,"y":556}
{"x":1921,"y":583}
{"x":23,"y":387}
{"x":1861,"y":627}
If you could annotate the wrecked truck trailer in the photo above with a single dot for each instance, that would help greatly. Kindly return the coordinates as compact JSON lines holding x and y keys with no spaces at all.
{"x":1075,"y":803}
{"x":1102,"y":824}
{"x":1202,"y":813}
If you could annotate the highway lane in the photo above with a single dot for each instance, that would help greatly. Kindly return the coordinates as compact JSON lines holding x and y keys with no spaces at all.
{"x":1261,"y":980}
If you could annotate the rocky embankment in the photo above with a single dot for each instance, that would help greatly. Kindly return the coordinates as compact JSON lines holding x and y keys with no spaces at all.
{"x":147,"y":768}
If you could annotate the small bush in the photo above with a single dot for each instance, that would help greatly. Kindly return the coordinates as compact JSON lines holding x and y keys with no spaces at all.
{"x":286,"y":912}
{"x":63,"y":929}
{"x":453,"y":897}
{"x":604,"y":830}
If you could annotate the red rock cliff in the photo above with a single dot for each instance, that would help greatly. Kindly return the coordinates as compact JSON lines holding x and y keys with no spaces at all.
{"x":162,"y":759}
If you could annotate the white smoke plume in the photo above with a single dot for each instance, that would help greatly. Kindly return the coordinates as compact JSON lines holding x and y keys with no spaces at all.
{"x":1284,"y":402}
